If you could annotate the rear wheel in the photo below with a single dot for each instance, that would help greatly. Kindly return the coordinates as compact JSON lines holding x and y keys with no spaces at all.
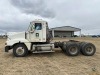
{"x":20,"y":50}
{"x":72,"y":49}
{"x":81,"y":45}
{"x":88,"y":49}
{"x":63,"y":47}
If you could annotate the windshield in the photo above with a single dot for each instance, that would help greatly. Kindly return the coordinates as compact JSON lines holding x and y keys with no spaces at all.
{"x":31,"y":27}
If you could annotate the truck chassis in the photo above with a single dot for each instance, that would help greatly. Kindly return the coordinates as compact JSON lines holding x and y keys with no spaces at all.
{"x":70,"y":48}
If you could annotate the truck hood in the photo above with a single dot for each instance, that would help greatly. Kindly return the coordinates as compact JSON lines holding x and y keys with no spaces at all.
{"x":16,"y":35}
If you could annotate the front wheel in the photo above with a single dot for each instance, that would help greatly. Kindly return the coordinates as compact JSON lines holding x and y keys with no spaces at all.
{"x":20,"y":50}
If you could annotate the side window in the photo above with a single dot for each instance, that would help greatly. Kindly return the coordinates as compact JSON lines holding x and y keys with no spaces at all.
{"x":38,"y":26}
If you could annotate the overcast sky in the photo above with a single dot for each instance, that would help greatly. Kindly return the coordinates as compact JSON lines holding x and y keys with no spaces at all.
{"x":15,"y":15}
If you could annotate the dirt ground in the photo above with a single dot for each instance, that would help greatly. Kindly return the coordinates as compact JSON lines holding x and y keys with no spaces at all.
{"x":56,"y":63}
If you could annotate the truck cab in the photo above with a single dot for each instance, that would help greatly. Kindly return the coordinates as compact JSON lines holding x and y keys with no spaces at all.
{"x":36,"y":39}
{"x":37,"y":31}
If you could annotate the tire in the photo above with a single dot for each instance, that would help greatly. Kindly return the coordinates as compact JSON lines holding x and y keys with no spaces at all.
{"x":63,"y":47}
{"x":72,"y":49}
{"x":88,"y":49}
{"x":80,"y":46}
{"x":20,"y":50}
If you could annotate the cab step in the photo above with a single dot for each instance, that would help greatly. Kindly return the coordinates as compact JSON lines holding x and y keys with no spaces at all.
{"x":43,"y":51}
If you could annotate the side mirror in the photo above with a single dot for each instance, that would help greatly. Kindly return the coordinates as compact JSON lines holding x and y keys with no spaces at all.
{"x":31,"y":28}
{"x":31,"y":31}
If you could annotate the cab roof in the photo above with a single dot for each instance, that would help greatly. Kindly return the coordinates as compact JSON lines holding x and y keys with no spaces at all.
{"x":38,"y":21}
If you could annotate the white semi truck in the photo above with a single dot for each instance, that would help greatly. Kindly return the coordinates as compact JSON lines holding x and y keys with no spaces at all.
{"x":37,"y":39}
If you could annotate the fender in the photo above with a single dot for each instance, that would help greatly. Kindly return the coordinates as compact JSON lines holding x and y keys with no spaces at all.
{"x":20,"y":40}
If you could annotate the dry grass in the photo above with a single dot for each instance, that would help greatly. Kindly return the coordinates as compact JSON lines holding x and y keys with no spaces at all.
{"x":50,"y":63}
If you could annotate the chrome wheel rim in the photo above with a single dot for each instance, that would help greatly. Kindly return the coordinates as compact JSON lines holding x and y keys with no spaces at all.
{"x":89,"y":49}
{"x":73,"y":50}
{"x":20,"y":50}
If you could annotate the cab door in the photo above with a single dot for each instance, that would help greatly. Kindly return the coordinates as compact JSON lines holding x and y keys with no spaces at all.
{"x":37,"y":34}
